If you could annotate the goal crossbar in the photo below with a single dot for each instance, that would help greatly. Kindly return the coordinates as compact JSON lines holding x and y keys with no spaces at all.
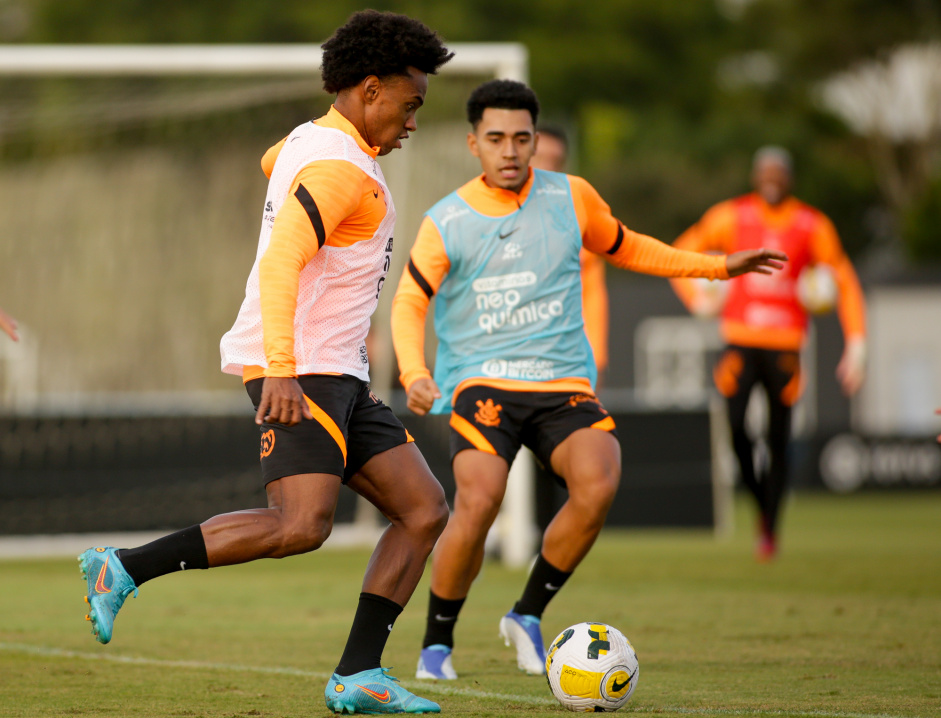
{"x":503,"y":60}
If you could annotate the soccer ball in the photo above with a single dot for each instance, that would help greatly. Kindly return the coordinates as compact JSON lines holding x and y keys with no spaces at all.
{"x":592,"y":667}
{"x":816,"y":289}
{"x":709,"y":297}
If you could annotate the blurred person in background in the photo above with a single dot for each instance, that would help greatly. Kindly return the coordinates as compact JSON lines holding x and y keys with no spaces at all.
{"x":500,"y":255}
{"x":552,"y":155}
{"x":298,"y":343}
{"x":764,"y":322}
{"x":8,"y":325}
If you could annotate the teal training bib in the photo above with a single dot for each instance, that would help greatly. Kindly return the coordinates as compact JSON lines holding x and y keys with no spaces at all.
{"x":510,"y":306}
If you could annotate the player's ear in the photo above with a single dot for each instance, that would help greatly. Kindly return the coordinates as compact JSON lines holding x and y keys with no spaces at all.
{"x":472,"y":144}
{"x":371,"y":87}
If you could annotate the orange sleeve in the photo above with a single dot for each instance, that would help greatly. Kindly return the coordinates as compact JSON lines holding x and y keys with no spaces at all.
{"x":851,"y":306}
{"x":323,"y":194}
{"x":714,"y":232}
{"x":428,"y":265}
{"x":605,"y":235}
{"x":595,"y":306}
{"x":269,"y":158}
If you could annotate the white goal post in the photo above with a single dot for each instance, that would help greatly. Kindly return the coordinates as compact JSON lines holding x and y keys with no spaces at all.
{"x":516,"y":527}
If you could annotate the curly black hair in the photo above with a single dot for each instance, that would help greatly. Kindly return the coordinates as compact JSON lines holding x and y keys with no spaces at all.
{"x":381,"y":44}
{"x":503,"y":95}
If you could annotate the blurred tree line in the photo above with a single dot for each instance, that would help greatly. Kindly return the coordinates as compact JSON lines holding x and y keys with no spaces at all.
{"x":666,"y":99}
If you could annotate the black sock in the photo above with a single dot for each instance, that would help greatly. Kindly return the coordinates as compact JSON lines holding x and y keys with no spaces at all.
{"x":544,"y":583}
{"x":372,"y":624}
{"x":442,"y":615}
{"x":179,"y":551}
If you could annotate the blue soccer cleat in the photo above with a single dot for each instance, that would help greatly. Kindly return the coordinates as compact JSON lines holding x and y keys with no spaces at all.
{"x":524,"y":633}
{"x":374,"y":692}
{"x":435,"y":662}
{"x":108,"y":585}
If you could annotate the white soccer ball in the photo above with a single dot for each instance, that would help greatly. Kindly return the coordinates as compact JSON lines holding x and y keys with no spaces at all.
{"x":709,"y":297}
{"x":592,"y":667}
{"x":816,"y":289}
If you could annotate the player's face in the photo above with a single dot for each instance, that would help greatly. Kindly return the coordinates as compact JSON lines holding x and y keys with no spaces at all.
{"x":772,"y":181}
{"x":390,"y":108}
{"x":551,"y":155}
{"x":504,"y":141}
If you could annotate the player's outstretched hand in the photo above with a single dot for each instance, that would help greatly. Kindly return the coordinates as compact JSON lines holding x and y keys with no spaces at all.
{"x":282,"y":402}
{"x":421,"y":395}
{"x":8,"y":324}
{"x":761,"y":261}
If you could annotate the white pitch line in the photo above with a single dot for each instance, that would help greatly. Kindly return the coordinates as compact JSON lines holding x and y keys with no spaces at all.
{"x":141,"y":661}
{"x":425,"y":687}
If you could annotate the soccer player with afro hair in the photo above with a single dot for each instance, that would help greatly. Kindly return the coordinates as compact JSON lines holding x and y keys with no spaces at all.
{"x":381,"y":44}
{"x":299,"y":345}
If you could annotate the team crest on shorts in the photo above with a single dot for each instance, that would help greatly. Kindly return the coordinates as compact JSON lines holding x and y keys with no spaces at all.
{"x":488,"y":413}
{"x":577,"y":399}
{"x":267,"y":443}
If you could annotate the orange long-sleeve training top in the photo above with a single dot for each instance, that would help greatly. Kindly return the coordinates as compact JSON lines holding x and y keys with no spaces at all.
{"x":601,"y":233}
{"x":349,"y":206}
{"x":721,"y":229}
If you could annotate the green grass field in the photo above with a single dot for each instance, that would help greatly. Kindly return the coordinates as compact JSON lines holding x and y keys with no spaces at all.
{"x":846,"y":623}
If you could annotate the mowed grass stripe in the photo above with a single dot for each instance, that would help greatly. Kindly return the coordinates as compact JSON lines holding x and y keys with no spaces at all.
{"x":423,"y":686}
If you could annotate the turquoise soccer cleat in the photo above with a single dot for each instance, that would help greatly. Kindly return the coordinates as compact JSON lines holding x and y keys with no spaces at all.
{"x":373,"y":692}
{"x":108,"y":586}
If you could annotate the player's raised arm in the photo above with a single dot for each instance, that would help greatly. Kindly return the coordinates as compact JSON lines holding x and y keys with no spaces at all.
{"x":605,"y":235}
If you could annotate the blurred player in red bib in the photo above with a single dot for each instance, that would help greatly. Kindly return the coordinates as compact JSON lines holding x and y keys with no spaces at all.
{"x":764,"y":321}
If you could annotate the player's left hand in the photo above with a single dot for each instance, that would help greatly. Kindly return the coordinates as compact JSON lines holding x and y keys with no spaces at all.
{"x":760,"y":261}
{"x":851,"y":371}
{"x":421,"y":395}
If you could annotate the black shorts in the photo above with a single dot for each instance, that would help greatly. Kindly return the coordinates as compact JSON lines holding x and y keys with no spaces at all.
{"x":350,"y":426}
{"x":740,"y":368}
{"x":499,"y":421}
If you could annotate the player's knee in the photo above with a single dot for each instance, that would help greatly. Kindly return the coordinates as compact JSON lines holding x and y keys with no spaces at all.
{"x":479,"y":507}
{"x":304,"y":535}
{"x":593,"y":492}
{"x":429,"y":520}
